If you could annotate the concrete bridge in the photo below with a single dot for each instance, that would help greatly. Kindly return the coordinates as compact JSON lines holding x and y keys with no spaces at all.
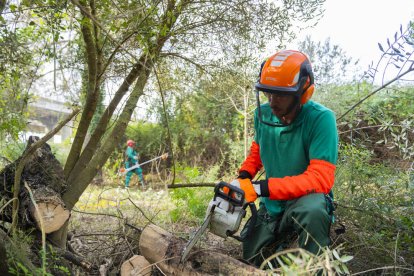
{"x":44,"y":115}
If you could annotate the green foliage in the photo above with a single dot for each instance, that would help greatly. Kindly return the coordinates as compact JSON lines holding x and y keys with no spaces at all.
{"x":26,"y":42}
{"x":18,"y":252}
{"x":191,"y":203}
{"x":150,"y":138}
{"x":301,"y":262}
{"x":9,"y":152}
{"x":21,"y":251}
{"x":60,"y":151}
{"x":377,"y":202}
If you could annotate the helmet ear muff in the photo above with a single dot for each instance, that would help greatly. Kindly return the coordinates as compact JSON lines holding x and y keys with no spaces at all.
{"x":307,"y":94}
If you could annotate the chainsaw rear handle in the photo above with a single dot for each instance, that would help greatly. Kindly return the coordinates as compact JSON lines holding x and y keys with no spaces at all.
{"x":233,"y":195}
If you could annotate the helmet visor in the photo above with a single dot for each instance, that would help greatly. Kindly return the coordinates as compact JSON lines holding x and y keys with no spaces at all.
{"x":283,"y":91}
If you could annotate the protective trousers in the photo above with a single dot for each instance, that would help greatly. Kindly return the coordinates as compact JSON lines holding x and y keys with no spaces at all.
{"x":137,"y":171}
{"x":309,"y":217}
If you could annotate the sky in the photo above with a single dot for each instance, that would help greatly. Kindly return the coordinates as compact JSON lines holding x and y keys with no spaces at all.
{"x":358,"y":25}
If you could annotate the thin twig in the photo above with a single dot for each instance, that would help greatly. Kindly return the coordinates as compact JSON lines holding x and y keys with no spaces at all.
{"x":382,"y":268}
{"x":376,"y":90}
{"x":109,"y":215}
{"x":7,"y":203}
{"x":142,"y":212}
{"x":166,"y":120}
{"x":367,"y":127}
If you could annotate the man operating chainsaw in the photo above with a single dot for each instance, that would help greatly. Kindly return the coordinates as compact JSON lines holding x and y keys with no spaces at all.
{"x":131,"y":159}
{"x":296,"y":142}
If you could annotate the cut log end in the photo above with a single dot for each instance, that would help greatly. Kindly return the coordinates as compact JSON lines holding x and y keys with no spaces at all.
{"x":161,"y":247}
{"x":54,"y":216}
{"x":137,"y":265}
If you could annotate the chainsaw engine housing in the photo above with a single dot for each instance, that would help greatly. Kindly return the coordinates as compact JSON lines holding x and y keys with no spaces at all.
{"x":226,"y":217}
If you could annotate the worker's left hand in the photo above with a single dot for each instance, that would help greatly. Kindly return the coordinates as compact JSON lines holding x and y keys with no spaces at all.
{"x":136,"y":157}
{"x":246,"y":185}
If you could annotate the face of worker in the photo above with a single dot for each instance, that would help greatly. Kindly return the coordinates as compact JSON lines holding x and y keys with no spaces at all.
{"x":280,"y":104}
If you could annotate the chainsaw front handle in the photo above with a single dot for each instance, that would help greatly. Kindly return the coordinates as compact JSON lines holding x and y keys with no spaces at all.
{"x":230,"y":193}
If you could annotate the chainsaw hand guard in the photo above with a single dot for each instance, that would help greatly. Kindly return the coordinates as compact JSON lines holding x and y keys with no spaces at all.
{"x":229,"y":193}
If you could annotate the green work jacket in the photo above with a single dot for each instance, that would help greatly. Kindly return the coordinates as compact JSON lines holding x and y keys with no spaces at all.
{"x":287,"y":151}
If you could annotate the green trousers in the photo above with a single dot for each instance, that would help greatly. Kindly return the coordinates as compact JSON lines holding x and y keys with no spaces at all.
{"x":309,"y":217}
{"x":137,"y":171}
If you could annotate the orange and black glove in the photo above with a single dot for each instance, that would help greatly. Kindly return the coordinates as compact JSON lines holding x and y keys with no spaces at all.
{"x":251,"y":190}
{"x":246,"y":185}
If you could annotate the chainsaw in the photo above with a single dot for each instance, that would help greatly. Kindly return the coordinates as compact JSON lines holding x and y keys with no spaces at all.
{"x":123,"y":171}
{"x":224,"y":215}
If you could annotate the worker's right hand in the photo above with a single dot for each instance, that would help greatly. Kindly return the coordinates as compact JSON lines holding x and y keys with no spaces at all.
{"x":246,"y":185}
{"x":136,"y":157}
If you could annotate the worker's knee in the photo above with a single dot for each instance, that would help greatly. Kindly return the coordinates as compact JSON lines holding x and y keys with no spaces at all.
{"x":309,"y":212}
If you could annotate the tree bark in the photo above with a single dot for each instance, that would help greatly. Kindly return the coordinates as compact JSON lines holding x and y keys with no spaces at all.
{"x":163,"y":249}
{"x":92,"y":91}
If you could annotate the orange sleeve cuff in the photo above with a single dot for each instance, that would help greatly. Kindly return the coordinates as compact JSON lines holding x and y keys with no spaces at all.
{"x":319,"y":177}
{"x":253,"y":162}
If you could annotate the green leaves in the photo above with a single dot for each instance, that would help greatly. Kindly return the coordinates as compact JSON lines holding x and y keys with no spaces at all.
{"x":380,"y":46}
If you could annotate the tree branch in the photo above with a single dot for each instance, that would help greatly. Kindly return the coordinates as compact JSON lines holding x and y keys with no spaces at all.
{"x":2,"y":6}
{"x":191,"y":185}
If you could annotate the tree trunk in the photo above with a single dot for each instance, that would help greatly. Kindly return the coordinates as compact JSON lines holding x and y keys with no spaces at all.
{"x":163,"y":249}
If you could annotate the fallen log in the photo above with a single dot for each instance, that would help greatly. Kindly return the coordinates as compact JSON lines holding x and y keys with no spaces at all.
{"x":163,"y":249}
{"x":43,"y":174}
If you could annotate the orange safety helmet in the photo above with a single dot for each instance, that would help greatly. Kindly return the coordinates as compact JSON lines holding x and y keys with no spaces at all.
{"x":130,"y":143}
{"x":287,"y":72}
